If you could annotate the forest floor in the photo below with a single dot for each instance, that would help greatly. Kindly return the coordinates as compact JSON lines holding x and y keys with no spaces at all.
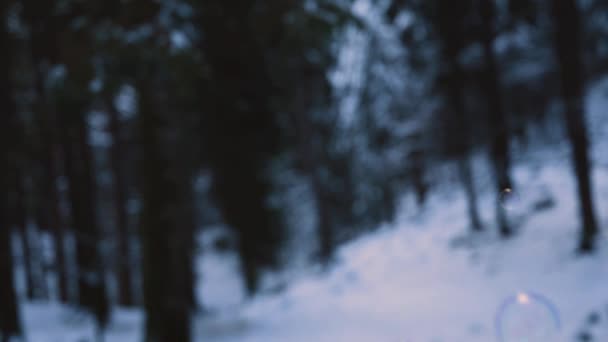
{"x":422,"y":278}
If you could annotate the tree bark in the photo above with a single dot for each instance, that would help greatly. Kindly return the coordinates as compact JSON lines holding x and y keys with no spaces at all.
{"x":24,"y":237}
{"x":57,"y":223}
{"x":499,"y":154}
{"x":466,"y":177}
{"x":567,"y":23}
{"x":123,"y":233}
{"x":10,"y":324}
{"x":241,"y":133}
{"x":167,"y":305}
{"x":92,"y":293}
{"x":9,"y":310}
{"x":41,"y":51}
{"x":464,"y":168}
{"x":449,"y":25}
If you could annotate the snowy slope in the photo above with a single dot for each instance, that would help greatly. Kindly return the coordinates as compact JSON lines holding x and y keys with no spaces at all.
{"x":412,"y":284}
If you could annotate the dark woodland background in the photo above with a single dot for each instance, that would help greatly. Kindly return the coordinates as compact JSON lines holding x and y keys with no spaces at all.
{"x":113,"y":111}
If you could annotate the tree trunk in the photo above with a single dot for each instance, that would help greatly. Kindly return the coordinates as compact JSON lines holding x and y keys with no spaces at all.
{"x":324,"y":225}
{"x":189,"y":239}
{"x":166,"y":304}
{"x":466,"y":177}
{"x":57,"y":227}
{"x":450,"y":27}
{"x":311,"y":162}
{"x":465,"y":171}
{"x":566,"y":18}
{"x":51,"y":166}
{"x":125,"y":254}
{"x":25,"y":238}
{"x":241,"y":133}
{"x":40,"y":28}
{"x":79,"y":169}
{"x":9,"y":308}
{"x":499,"y":126}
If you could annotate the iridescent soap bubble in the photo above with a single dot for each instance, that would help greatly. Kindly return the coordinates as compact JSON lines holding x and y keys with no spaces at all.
{"x":509,"y":199}
{"x":527,"y":317}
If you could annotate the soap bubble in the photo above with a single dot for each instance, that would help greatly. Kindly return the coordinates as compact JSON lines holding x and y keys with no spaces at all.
{"x":509,"y":199}
{"x":527,"y":317}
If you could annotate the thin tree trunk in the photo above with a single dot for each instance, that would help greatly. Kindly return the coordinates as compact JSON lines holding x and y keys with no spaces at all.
{"x":9,"y":310}
{"x":189,"y":239}
{"x":48,"y":127}
{"x":311,"y":162}
{"x":420,"y":184}
{"x":25,"y":239}
{"x":40,"y":27}
{"x":125,"y":255}
{"x":566,"y":17}
{"x":92,"y":293}
{"x":500,"y":143}
{"x":324,"y":226}
{"x":466,"y":177}
{"x":449,"y":25}
{"x":465,"y":171}
{"x":40,"y":264}
{"x":57,"y":229}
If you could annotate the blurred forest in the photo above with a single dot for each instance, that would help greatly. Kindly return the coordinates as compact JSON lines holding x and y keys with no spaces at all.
{"x":130,"y":126}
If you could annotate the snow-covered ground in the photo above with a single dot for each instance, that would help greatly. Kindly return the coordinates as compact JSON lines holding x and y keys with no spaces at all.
{"x":428,"y":281}
{"x":420,"y":279}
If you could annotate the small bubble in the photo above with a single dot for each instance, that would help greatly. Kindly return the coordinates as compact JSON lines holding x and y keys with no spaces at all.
{"x":509,"y":199}
{"x":527,"y":317}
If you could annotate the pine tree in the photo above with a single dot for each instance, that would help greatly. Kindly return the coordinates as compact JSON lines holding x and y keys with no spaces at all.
{"x":567,"y":22}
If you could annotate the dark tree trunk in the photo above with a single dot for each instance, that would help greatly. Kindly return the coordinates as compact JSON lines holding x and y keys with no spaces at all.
{"x":189,"y":238}
{"x":40,"y":27}
{"x":466,"y":177}
{"x":311,"y":162}
{"x":498,"y":121}
{"x":57,"y":224}
{"x":24,"y":237}
{"x":566,"y":18}
{"x":167,"y":305}
{"x":125,"y":254}
{"x":421,"y":186}
{"x":242,"y":194}
{"x":464,"y":168}
{"x":241,"y":133}
{"x":35,"y":213}
{"x":9,"y":308}
{"x":51,"y":194}
{"x":327,"y":239}
{"x":450,"y":27}
{"x":92,"y":293}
